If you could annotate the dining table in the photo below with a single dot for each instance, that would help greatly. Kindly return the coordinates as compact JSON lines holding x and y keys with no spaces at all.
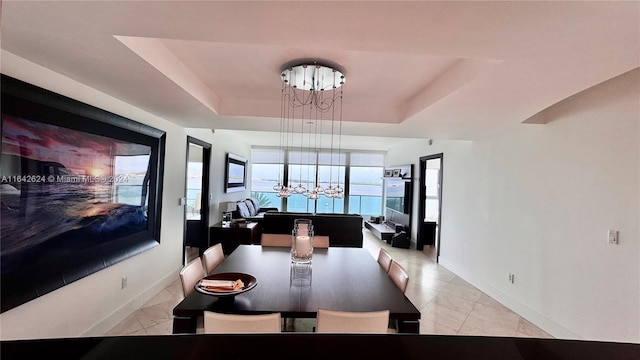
{"x":338,"y":278}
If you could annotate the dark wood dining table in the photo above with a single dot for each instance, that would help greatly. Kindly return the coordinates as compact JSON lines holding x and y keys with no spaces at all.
{"x":340,"y":278}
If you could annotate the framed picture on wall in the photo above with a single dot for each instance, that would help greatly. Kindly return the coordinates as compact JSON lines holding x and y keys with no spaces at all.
{"x":388,"y":173}
{"x":236,"y":172}
{"x":81,"y":190}
{"x":396,"y":173}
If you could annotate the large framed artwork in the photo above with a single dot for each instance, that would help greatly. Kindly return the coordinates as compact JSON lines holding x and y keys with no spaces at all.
{"x":81,"y":190}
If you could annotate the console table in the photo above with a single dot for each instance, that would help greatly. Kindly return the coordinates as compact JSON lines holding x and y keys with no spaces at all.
{"x":232,"y":236}
{"x":381,"y":231}
{"x":394,"y":235}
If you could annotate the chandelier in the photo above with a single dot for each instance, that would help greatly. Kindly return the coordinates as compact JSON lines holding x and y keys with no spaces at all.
{"x":311,"y":95}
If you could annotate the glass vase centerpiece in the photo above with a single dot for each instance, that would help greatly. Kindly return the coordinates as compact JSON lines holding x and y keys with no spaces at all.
{"x":302,"y":241}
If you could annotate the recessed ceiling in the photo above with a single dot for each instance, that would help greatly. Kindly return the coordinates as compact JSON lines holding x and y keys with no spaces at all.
{"x":450,"y":70}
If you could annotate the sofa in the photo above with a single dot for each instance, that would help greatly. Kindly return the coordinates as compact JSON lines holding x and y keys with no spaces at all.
{"x":250,"y":210}
{"x":344,"y":230}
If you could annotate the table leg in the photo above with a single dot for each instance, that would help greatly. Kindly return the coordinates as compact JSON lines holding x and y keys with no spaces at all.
{"x":184,"y":325}
{"x":409,"y":326}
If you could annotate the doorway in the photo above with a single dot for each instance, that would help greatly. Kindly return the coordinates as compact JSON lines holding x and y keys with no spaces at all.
{"x":197,"y":195}
{"x":430,"y":209}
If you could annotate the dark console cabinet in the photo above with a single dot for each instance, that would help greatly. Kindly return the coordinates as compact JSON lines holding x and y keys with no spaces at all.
{"x":197,"y":235}
{"x":428,"y":231}
{"x":232,"y":236}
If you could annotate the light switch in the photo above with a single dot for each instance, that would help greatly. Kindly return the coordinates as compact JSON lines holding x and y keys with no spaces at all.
{"x":613,"y":237}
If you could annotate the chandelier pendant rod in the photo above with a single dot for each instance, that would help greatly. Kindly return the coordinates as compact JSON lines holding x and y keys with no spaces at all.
{"x":291,"y":115}
{"x":318,"y":144}
{"x":339,"y":190}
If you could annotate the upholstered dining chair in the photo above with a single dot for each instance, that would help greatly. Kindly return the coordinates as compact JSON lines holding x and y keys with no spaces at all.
{"x":332,"y":321}
{"x":277,"y":240}
{"x":190,"y":274}
{"x":284,"y":240}
{"x":216,"y":323}
{"x":189,"y":277}
{"x":321,"y":242}
{"x":212,"y":257}
{"x":384,"y":259}
{"x":399,"y":276}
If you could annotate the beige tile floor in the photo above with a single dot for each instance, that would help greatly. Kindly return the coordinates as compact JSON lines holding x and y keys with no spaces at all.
{"x":448,"y":304}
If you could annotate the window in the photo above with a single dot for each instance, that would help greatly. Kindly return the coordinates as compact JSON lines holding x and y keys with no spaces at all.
{"x":266,"y":171}
{"x":359,"y":174}
{"x":432,"y":202}
{"x":301,"y":175}
{"x":337,"y":175}
{"x":365,"y":183}
{"x":194,"y":189}
{"x":331,"y":171}
{"x":365,"y":196}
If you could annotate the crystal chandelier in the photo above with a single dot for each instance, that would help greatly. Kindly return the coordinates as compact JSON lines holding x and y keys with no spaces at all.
{"x":311,"y":91}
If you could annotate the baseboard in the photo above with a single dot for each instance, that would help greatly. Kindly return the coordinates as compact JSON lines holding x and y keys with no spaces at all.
{"x":540,"y":320}
{"x":106,"y":324}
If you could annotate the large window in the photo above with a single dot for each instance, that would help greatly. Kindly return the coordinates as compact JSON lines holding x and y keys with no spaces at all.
{"x":302,"y":176}
{"x":337,"y":175}
{"x":266,"y":171}
{"x":359,"y":174}
{"x":365,"y":184}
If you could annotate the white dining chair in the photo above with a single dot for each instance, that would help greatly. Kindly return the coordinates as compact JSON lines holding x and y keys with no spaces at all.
{"x":217,"y":323}
{"x":332,"y":321}
{"x":399,"y":276}
{"x":190,"y":275}
{"x":384,"y":259}
{"x":212,"y":257}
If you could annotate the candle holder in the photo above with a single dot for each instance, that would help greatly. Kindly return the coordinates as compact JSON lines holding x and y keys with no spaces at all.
{"x":302,"y":241}
{"x":300,"y":276}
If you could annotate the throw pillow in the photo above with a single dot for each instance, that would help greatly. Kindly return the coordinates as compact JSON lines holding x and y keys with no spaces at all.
{"x":243,"y":209}
{"x":252,"y":210}
{"x":256,"y":203}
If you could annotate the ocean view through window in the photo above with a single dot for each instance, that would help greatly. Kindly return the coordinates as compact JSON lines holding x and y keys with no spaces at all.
{"x":360,"y":173}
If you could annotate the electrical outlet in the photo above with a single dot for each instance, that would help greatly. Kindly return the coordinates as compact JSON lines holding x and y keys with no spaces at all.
{"x":612,"y":237}
{"x":124,"y":282}
{"x":512,"y":278}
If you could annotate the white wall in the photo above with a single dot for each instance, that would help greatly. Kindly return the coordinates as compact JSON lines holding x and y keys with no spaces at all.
{"x":410,"y":153}
{"x":538,"y":202}
{"x":222,"y":142}
{"x":94,"y":304}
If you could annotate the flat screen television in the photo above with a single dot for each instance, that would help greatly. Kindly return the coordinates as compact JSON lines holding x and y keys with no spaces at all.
{"x":235,"y":173}
{"x":81,"y":190}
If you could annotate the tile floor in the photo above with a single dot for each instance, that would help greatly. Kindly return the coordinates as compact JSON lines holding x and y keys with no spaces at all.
{"x":448,"y":304}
